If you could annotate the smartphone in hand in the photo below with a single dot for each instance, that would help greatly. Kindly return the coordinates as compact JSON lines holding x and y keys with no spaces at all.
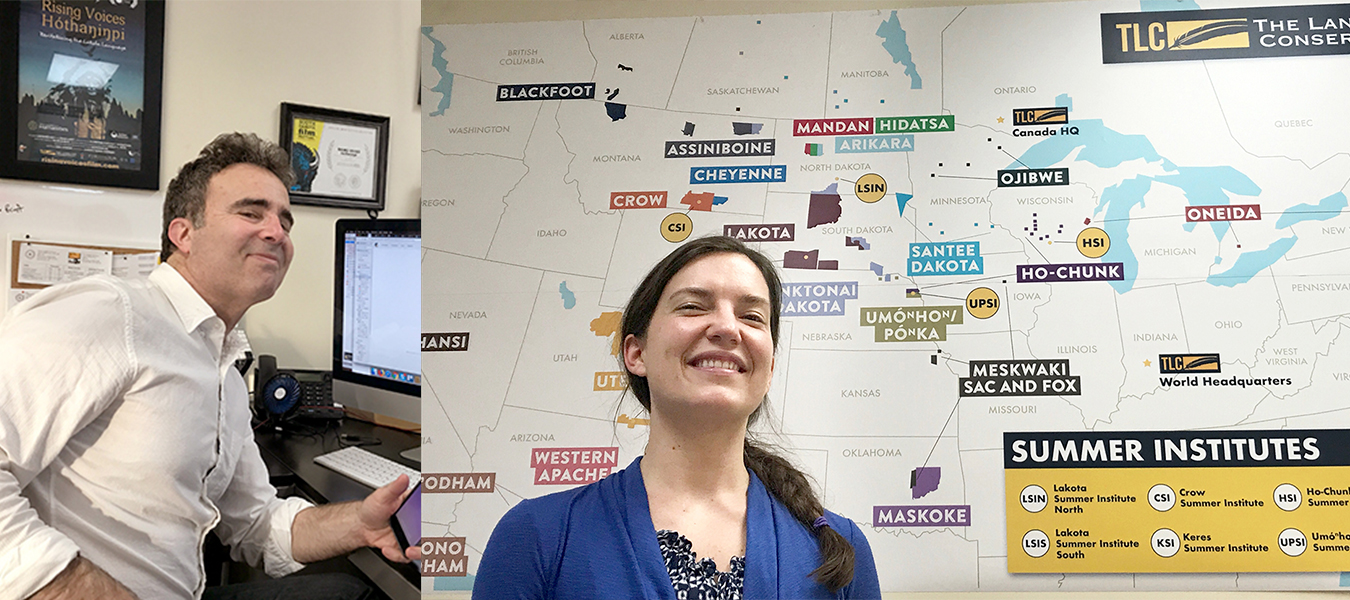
{"x":407,"y":520}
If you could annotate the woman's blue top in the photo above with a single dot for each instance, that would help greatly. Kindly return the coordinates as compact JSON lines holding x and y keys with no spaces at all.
{"x":598,"y":541}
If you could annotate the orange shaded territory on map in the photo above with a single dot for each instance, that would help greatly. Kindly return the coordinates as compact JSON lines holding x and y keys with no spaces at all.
{"x":607,"y":325}
{"x":698,"y":201}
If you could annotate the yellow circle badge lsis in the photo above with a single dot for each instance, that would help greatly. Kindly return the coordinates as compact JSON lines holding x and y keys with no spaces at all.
{"x":870,"y":188}
{"x":982,"y":303}
{"x":676,"y":227}
{"x":1093,"y":242}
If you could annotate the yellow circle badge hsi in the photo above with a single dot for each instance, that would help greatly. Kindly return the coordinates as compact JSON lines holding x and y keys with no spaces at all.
{"x":1093,"y":242}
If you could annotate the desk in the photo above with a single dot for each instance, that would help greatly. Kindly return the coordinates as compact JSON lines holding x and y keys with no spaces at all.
{"x":290,"y":460}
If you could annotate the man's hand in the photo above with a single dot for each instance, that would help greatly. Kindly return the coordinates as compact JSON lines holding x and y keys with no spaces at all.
{"x":83,"y":579}
{"x":375,"y":511}
{"x":326,"y":531}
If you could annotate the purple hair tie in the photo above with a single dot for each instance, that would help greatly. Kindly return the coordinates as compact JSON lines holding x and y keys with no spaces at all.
{"x":820,"y":522}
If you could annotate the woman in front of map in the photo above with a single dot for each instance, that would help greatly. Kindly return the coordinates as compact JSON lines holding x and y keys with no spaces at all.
{"x":707,"y":512}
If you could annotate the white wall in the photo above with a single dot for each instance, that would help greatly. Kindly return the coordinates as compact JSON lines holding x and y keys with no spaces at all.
{"x":228,"y":65}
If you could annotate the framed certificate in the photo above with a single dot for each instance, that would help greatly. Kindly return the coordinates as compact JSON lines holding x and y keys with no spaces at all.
{"x":340,"y":158}
{"x":80,"y":87}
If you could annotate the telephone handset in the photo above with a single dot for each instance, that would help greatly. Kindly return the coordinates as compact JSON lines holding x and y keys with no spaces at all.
{"x":286,"y":393}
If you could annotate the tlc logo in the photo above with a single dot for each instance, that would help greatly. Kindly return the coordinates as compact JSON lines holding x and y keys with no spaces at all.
{"x":1200,"y":34}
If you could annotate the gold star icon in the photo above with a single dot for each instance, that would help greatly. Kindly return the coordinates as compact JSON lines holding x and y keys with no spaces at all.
{"x":1000,"y":119}
{"x":1148,"y":363}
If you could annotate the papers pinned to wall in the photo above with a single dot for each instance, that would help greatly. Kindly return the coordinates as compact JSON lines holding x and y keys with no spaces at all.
{"x":45,"y":264}
{"x":35,"y":265}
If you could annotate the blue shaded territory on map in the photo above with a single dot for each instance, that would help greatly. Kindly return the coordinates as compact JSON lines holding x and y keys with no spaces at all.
{"x":439,"y":63}
{"x":1065,"y":101}
{"x":1205,"y":186}
{"x":453,"y":584}
{"x":1202,"y":186}
{"x":1161,"y":5}
{"x":895,"y":44}
{"x":1101,"y":146}
{"x":902,"y":200}
{"x":1248,"y":264}
{"x":1329,"y":207}
{"x":616,"y":111}
{"x":569,"y":299}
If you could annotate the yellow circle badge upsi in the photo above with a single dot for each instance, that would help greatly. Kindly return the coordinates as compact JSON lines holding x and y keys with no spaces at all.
{"x":982,"y":303}
{"x":676,"y":227}
{"x":870,"y":188}
{"x":1093,"y":242}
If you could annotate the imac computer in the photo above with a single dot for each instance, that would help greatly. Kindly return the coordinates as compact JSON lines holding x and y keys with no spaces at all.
{"x":377,"y":316}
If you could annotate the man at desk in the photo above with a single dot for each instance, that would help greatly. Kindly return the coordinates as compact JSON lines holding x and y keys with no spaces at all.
{"x":124,"y":427}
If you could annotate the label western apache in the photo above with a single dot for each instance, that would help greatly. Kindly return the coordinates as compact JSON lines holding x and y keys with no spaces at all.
{"x":569,"y":466}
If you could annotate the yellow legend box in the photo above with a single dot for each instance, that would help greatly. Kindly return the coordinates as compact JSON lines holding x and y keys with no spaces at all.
{"x":1135,"y":516}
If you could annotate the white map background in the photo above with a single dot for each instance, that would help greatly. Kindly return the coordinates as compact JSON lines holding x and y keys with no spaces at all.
{"x":1270,"y":296}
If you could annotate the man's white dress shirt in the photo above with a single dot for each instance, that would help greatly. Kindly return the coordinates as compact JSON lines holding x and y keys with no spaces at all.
{"x":125,"y":436}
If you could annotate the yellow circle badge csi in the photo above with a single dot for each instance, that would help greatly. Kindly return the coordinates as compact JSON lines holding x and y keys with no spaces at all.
{"x":1093,"y":242}
{"x":870,"y":188}
{"x":676,"y":227}
{"x":982,"y":303}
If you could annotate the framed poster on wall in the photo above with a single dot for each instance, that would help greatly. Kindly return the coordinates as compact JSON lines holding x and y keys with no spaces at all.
{"x":340,"y":158}
{"x":80,"y":91}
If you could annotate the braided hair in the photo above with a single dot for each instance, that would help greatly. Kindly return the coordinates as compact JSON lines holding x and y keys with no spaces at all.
{"x":783,"y":480}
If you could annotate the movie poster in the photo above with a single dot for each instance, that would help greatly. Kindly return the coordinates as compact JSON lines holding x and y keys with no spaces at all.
{"x":81,"y":83}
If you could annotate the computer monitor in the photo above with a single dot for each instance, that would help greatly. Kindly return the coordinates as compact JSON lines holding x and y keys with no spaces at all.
{"x":377,"y":316}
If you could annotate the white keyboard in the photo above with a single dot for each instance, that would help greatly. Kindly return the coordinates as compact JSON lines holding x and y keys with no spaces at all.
{"x":366,"y":467}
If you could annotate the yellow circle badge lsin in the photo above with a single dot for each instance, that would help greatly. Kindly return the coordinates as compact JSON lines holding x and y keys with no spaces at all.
{"x":982,"y":303}
{"x":1093,"y":242}
{"x":676,"y":227}
{"x":870,"y":188}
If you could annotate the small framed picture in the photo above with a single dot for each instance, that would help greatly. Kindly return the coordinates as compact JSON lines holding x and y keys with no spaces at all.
{"x":340,"y":158}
